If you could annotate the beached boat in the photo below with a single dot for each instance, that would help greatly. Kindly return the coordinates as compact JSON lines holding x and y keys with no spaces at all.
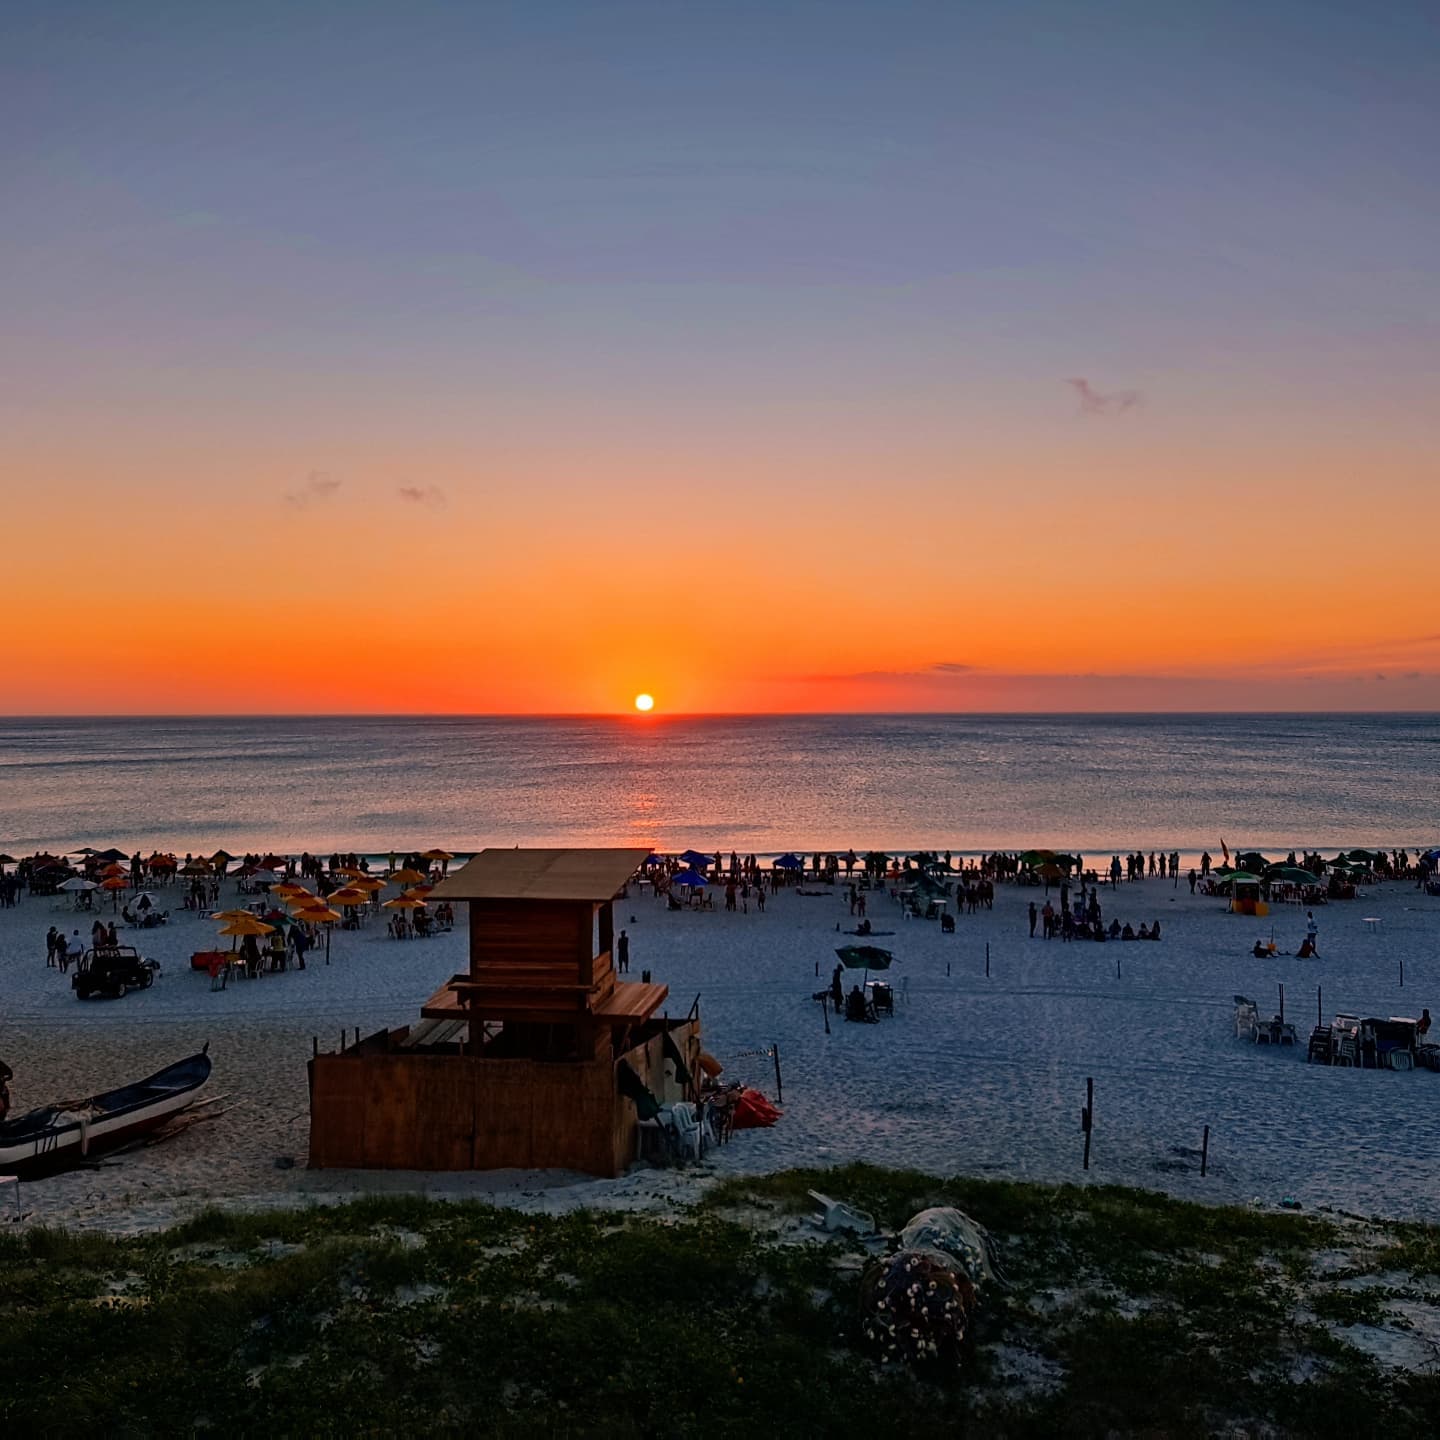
{"x":59,"y":1135}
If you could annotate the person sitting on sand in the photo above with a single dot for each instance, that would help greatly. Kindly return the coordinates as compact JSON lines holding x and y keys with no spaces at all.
{"x":1155,"y":931}
{"x":7,"y":1075}
{"x":1422,"y":1028}
{"x":863,"y":928}
{"x":855,"y":1007}
{"x":1307,"y":949}
{"x":1143,"y":933}
{"x":1128,"y":932}
{"x":1259,"y":952}
{"x":1114,"y":931}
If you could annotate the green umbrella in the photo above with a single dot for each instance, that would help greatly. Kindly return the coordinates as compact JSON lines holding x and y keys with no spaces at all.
{"x":1293,"y":873}
{"x":864,"y":957}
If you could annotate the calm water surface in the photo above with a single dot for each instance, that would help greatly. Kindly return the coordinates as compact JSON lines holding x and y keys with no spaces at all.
{"x":761,"y":783}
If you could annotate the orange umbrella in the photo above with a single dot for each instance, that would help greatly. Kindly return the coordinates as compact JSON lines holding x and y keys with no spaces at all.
{"x":321,"y":916}
{"x":405,"y":902}
{"x":350,"y":871}
{"x":115,"y":882}
{"x":437,"y":855}
{"x":288,"y":887}
{"x":364,"y":882}
{"x":419,"y":892}
{"x":348,"y":897}
{"x":407,"y":877}
{"x":113,"y":869}
{"x":249,"y":925}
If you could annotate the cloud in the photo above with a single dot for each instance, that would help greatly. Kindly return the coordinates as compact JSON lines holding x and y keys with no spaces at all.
{"x":317,"y":488}
{"x":880,"y":677}
{"x":430,"y":495}
{"x":1098,"y":402}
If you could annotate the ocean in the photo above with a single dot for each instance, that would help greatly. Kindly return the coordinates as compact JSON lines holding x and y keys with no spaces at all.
{"x":966,"y":783}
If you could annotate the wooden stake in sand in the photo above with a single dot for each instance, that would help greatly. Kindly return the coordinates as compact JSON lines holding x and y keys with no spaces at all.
{"x":1204,"y":1151}
{"x":779,"y":1092}
{"x":1087,"y":1117}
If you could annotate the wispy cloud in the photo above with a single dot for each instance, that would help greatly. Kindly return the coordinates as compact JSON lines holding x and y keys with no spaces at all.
{"x":429,"y":495}
{"x":1103,"y":402}
{"x":318,"y":487}
{"x":881,"y":677}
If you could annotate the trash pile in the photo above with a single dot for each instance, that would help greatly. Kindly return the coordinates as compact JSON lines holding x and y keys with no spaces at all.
{"x":917,"y":1306}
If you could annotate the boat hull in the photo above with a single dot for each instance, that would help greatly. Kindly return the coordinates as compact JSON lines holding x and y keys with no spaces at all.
{"x":49,"y":1140}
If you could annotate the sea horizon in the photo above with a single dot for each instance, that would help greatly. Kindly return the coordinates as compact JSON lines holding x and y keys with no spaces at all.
{"x":1096,"y":783}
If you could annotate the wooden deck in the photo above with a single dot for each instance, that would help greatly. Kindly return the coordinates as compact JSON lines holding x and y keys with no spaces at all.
{"x":630,"y":1002}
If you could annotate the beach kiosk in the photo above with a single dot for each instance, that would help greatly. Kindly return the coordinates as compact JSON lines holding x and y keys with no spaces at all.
{"x":528,"y":1060}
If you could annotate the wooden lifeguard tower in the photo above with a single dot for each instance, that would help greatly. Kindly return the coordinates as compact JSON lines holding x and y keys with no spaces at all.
{"x":516,"y":1063}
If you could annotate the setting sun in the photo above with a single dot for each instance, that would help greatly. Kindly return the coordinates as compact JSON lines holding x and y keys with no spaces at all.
{"x":644,"y":702}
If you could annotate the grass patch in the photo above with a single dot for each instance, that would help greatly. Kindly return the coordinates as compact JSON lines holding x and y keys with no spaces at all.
{"x":401,"y":1315}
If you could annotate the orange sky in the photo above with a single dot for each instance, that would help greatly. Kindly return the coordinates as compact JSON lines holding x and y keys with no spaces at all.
{"x":558,"y":581}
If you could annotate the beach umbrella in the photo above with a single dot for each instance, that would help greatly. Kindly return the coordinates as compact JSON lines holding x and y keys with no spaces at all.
{"x":317,"y":915}
{"x":76,"y":883}
{"x":1251,"y":860}
{"x":366,"y":883}
{"x":437,"y":855}
{"x":288,"y":887}
{"x":1430,"y":857}
{"x":111,"y":854}
{"x":348,"y":898}
{"x":689,"y":879}
{"x":1292,"y":874}
{"x":693,"y":858}
{"x":864,"y":957}
{"x":404,"y":902}
{"x":789,"y":861}
{"x":406,"y":877}
{"x":1036,"y":857}
{"x":8,"y":860}
{"x":247,"y":925}
{"x":654,"y":860}
{"x":233,"y":915}
{"x":419,"y":892}
{"x":350,"y":872}
{"x":1050,"y":870}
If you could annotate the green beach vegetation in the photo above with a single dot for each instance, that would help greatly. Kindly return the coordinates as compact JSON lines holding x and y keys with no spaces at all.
{"x":1122,"y":1311}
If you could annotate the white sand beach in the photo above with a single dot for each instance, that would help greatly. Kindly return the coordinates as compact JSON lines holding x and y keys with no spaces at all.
{"x":973,"y":1074}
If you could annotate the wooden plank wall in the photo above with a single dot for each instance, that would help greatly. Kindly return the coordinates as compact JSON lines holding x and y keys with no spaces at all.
{"x":513,"y":932}
{"x":447,"y":1112}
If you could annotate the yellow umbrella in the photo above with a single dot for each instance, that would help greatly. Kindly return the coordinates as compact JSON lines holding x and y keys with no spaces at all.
{"x":437,"y":855}
{"x":366,"y":883}
{"x":322,"y":916}
{"x":348,"y":897}
{"x":419,"y":892}
{"x":350,"y":871}
{"x":407,"y":877}
{"x":233,"y":915}
{"x":249,"y":925}
{"x":288,"y":887}
{"x":405,"y":902}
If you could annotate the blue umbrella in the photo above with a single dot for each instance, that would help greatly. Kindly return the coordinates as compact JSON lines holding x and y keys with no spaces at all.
{"x":789,"y":862}
{"x":689,"y":878}
{"x":694,"y":857}
{"x":655,"y":860}
{"x":1431,"y":857}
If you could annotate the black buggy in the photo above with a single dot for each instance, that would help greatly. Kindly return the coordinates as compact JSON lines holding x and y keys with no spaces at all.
{"x":111,"y":970}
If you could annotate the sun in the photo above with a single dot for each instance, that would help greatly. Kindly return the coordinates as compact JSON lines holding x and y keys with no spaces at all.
{"x":644,"y":703}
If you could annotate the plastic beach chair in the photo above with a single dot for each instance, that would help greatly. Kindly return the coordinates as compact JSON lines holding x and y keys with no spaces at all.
{"x":835,"y":1215}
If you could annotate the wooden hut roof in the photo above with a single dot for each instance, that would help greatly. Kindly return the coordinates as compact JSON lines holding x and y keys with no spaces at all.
{"x":593,"y":875}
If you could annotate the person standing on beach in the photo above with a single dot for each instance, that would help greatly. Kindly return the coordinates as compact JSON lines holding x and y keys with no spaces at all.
{"x":622,"y":952}
{"x":1192,"y":879}
{"x":1312,"y":932}
{"x":1034,"y":916}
